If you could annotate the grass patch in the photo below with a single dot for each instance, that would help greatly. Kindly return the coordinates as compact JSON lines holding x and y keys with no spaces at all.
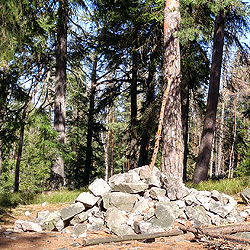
{"x":227,"y":186}
{"x":63,"y":196}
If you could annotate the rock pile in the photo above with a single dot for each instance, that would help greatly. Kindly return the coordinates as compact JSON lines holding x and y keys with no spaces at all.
{"x":139,"y":201}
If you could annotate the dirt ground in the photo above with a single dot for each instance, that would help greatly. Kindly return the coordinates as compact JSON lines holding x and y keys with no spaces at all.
{"x":63,"y":241}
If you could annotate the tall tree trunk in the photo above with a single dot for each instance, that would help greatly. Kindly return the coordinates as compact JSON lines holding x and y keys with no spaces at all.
{"x":57,"y":178}
{"x":184,"y":114}
{"x":112,"y":144}
{"x":89,"y":151}
{"x":20,"y":145}
{"x":172,"y":151}
{"x":219,"y":171}
{"x":231,"y":159}
{"x":133,"y":107}
{"x":143,"y":156}
{"x":201,"y":167}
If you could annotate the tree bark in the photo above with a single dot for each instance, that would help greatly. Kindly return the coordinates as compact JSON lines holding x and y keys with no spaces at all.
{"x":57,"y":178}
{"x":144,"y":144}
{"x":231,"y":159}
{"x":133,"y":107}
{"x":20,"y":145}
{"x":218,"y":230}
{"x":172,"y":150}
{"x":89,"y":242}
{"x":201,"y":168}
{"x":184,"y":114}
{"x":89,"y":151}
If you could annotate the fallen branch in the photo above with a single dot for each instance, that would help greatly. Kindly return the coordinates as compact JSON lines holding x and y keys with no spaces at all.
{"x":88,"y":242}
{"x":219,"y":230}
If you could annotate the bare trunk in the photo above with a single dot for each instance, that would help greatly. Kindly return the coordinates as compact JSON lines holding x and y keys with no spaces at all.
{"x":218,"y":171}
{"x":201,"y":168}
{"x":89,"y":151}
{"x":231,"y":160}
{"x":212,"y":160}
{"x":184,"y":114}
{"x":57,"y":178}
{"x":133,"y":121}
{"x":172,"y":151}
{"x":20,"y":145}
{"x":144,"y":144}
{"x":112,"y":145}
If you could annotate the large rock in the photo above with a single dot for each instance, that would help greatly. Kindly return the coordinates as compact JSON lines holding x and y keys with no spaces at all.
{"x":50,"y":220}
{"x":26,"y":226}
{"x":72,"y":210}
{"x":142,"y":205}
{"x":197,"y":215}
{"x":165,"y":215}
{"x":151,"y":178}
{"x":245,"y":195}
{"x":157,"y":193}
{"x":99,"y":187}
{"x":123,"y":178}
{"x":88,"y":199}
{"x":79,"y":230}
{"x":174,"y":187}
{"x":81,"y":217}
{"x":116,"y":222}
{"x":121,"y":201}
{"x":131,"y":188}
{"x":143,"y":227}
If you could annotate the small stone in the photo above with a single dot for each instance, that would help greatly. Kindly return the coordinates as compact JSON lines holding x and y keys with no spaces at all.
{"x":27,"y":213}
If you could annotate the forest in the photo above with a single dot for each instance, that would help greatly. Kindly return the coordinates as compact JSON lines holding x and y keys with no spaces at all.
{"x":89,"y":89}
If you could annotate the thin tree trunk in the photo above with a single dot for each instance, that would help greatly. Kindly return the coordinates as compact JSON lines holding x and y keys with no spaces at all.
{"x":231,"y":160}
{"x":173,"y":149}
{"x":218,"y":171}
{"x":144,"y":144}
{"x":57,"y":178}
{"x":184,"y":111}
{"x":212,"y":160}
{"x":89,"y":151}
{"x":133,"y":121}
{"x":112,"y":145}
{"x":201,"y":168}
{"x":20,"y":145}
{"x":105,"y":143}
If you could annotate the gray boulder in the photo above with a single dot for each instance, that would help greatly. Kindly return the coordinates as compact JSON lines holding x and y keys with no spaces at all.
{"x":72,"y":210}
{"x":157,"y":193}
{"x":174,"y":187}
{"x":81,"y":217}
{"x":131,"y":188}
{"x":122,"y":201}
{"x":197,"y":215}
{"x":164,"y":216}
{"x":99,"y":187}
{"x":79,"y":230}
{"x":26,"y":226}
{"x":116,"y":222}
{"x":88,"y":199}
{"x":245,"y":195}
{"x":49,"y":221}
{"x":143,"y":227}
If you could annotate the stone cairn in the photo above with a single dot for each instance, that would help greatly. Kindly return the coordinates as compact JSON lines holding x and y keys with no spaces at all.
{"x":139,"y":201}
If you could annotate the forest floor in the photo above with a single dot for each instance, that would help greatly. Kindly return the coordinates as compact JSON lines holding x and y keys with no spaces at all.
{"x":62,"y":241}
